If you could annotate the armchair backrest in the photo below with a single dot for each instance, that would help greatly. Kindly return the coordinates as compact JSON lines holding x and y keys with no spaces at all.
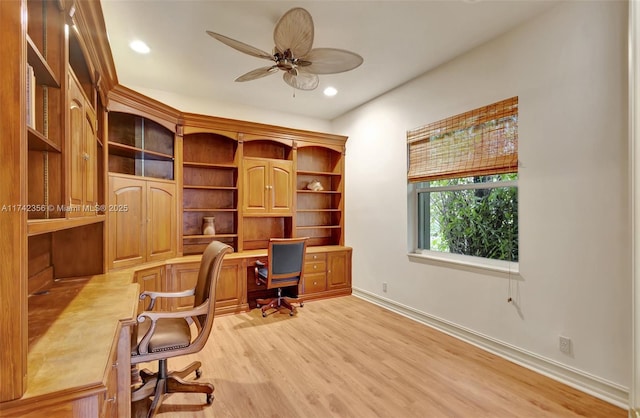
{"x":205,"y":289}
{"x":285,"y":261}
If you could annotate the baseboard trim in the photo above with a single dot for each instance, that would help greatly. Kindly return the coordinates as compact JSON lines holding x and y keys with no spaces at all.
{"x":595,"y":386}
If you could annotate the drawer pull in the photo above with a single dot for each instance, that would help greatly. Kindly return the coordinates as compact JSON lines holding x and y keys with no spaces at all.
{"x":112,"y":399}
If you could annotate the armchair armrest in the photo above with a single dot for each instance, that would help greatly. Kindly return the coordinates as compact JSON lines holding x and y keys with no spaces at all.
{"x":143,"y":347}
{"x":259,"y":265}
{"x":153,"y":295}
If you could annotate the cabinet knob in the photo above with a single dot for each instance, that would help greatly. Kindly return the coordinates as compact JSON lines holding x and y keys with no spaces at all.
{"x":85,"y":156}
{"x":315,"y":266}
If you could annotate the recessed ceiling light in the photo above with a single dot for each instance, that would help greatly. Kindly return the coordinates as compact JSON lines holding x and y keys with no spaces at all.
{"x":140,"y":47}
{"x":330,"y":91}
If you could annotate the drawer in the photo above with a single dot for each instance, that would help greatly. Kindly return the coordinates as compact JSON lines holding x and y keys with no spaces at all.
{"x":315,"y":283}
{"x":315,"y":267}
{"x":315,"y":257}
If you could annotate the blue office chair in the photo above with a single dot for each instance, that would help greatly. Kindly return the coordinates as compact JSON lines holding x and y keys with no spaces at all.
{"x":284,"y":268}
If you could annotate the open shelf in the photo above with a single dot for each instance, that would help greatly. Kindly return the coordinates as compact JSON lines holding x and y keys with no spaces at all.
{"x":44,"y":226}
{"x":191,"y":237}
{"x":39,"y":142}
{"x":209,"y":165}
{"x":43,"y":72}
{"x":129,"y":151}
{"x":191,"y":186}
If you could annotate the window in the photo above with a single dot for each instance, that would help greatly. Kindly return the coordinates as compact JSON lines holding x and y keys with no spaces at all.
{"x":463,"y":177}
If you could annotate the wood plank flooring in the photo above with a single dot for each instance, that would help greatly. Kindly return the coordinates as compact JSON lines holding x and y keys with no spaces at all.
{"x":345,"y":357}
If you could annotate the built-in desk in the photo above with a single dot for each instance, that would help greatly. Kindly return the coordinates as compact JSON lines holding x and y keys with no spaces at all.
{"x":327,"y":274}
{"x":79,"y":349}
{"x":80,"y":329}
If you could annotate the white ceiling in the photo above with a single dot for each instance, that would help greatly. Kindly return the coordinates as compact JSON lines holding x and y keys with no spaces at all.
{"x":399,"y":40}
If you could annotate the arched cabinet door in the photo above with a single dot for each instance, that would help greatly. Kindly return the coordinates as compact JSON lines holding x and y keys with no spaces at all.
{"x":268,"y":187}
{"x":83,"y":177}
{"x":142,"y":220}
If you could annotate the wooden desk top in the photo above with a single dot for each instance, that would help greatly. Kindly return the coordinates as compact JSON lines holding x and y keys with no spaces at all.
{"x":72,"y":329}
{"x":250,"y":254}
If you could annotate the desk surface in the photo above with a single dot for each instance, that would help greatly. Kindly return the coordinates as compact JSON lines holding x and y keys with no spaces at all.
{"x":72,"y":329}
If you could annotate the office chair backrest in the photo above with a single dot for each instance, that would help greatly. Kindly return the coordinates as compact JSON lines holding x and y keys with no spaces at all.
{"x":210,"y":267}
{"x":286,"y":261}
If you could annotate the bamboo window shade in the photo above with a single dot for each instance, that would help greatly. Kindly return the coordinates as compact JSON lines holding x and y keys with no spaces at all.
{"x":479,"y":142}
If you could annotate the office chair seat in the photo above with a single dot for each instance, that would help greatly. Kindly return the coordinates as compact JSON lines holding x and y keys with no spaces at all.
{"x":170,"y":334}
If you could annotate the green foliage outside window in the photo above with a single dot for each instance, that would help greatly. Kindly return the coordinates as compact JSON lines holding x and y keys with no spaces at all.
{"x":480,"y":222}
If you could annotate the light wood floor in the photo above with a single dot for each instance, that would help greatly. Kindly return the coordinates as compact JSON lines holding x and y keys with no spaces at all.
{"x":345,"y":357}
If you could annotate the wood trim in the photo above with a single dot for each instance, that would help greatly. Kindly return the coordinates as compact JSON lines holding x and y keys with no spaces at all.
{"x":13,"y":224}
{"x":123,"y":99}
{"x":89,"y":20}
{"x":254,"y":130}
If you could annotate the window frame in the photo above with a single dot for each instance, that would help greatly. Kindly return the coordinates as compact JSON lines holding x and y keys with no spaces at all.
{"x":460,"y":260}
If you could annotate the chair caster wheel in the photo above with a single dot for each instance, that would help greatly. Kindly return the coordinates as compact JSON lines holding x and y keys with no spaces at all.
{"x":209,"y":398}
{"x":264,"y":314}
{"x":291,"y":313}
{"x":198,"y":373}
{"x":301,"y":304}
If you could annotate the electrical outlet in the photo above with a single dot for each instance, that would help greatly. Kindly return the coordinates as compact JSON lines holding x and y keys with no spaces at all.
{"x":384,"y":286}
{"x":565,"y":345}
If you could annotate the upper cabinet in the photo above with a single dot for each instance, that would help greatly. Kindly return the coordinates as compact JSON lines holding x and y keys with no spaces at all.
{"x":83,"y":133}
{"x":143,"y":198}
{"x":268,"y":187}
{"x":139,"y":146}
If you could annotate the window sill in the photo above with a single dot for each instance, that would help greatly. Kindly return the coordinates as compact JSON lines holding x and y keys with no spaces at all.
{"x":466,"y":262}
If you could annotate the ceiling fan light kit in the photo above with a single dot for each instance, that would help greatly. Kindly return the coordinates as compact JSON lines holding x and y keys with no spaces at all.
{"x":294,"y":53}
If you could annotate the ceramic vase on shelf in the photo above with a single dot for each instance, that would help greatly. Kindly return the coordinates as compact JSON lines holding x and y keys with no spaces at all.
{"x":208,"y":228}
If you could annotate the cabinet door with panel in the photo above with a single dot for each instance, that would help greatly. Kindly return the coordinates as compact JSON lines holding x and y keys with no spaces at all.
{"x":150,"y":280}
{"x":142,"y":220}
{"x":83,"y":180}
{"x":127,"y":229}
{"x":231,"y":289}
{"x":161,"y":220}
{"x":339,"y":270}
{"x":268,"y":187}
{"x":182,"y":277}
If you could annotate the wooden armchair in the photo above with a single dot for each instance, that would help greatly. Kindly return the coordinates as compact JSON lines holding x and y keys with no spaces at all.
{"x":162,"y":335}
{"x":284,"y":268}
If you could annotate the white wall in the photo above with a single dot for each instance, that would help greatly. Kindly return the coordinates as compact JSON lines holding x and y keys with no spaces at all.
{"x":568,"y":67}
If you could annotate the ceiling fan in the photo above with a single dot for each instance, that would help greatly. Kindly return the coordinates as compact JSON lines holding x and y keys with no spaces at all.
{"x":293,"y":53}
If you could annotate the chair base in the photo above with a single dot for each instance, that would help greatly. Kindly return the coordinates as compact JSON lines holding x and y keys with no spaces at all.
{"x":157,"y":385}
{"x":279,"y":302}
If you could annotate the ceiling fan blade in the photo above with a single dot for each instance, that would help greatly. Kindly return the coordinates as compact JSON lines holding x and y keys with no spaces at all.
{"x":301,"y":81}
{"x":241,"y":46}
{"x":294,"y":31}
{"x":258,"y":73}
{"x":331,"y":61}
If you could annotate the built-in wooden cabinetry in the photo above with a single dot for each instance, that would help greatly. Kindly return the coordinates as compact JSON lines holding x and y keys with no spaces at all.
{"x":209,"y":188}
{"x":83,"y":134}
{"x":142,"y":220}
{"x":55,"y":73}
{"x":103,"y":178}
{"x":267,"y":187}
{"x":142,"y":204}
